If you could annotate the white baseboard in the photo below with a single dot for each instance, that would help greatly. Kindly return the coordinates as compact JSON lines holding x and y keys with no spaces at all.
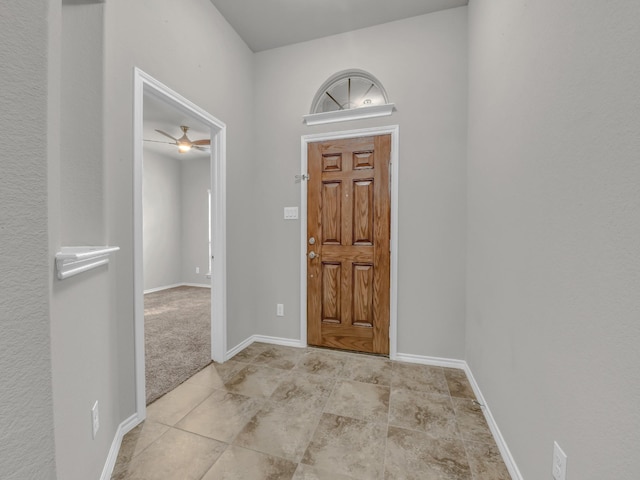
{"x":497,"y":435}
{"x":434,"y":361}
{"x":167,"y":287}
{"x":124,"y":428}
{"x":286,"y":342}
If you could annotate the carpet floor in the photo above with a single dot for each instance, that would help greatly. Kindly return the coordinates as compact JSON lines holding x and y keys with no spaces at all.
{"x":177,"y":336}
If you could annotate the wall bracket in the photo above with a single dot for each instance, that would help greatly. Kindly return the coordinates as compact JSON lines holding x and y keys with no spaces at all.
{"x":71,"y":261}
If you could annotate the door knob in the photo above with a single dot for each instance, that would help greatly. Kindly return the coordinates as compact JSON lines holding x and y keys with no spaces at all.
{"x":312,"y":255}
{"x":312,"y":241}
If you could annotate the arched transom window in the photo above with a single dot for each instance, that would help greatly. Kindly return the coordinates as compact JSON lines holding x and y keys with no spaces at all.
{"x":349,"y":95}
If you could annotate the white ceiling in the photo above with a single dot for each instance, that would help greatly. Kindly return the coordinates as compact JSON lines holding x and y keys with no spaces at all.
{"x":265,"y":24}
{"x":162,"y":116}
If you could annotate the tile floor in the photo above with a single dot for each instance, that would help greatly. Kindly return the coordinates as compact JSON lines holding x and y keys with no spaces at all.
{"x":286,"y":413}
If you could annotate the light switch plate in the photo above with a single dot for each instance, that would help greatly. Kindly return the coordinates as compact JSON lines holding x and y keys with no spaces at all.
{"x":290,"y":213}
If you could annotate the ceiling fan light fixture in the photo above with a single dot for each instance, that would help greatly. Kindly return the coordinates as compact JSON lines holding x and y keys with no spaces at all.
{"x":184,"y":147}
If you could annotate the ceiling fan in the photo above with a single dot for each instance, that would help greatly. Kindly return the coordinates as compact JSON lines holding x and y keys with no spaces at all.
{"x":183,"y":143}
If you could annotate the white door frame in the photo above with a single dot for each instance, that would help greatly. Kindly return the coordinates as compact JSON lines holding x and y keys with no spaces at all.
{"x":144,"y":83}
{"x":394,"y":131}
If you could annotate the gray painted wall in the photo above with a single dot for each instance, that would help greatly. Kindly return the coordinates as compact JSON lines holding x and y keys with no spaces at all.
{"x":554,"y":263}
{"x":175,"y":239}
{"x":422,"y":62}
{"x":196,"y":180}
{"x":162,"y":220}
{"x":26,"y":399}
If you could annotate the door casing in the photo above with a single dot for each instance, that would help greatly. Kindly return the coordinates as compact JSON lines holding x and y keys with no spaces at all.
{"x":394,"y":131}
{"x":145,"y":83}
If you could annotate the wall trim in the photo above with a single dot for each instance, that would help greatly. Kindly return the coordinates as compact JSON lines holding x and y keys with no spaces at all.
{"x":167,"y":287}
{"x":433,"y":361}
{"x":124,"y":428}
{"x":394,"y":131}
{"x":285,"y":342}
{"x":497,"y":434}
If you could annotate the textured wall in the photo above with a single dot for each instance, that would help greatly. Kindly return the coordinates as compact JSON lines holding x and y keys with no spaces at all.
{"x":554,"y":229}
{"x":26,"y":406}
{"x":422,"y":63}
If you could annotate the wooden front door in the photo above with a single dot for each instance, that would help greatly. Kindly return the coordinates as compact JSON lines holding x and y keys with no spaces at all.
{"x":348,"y":232}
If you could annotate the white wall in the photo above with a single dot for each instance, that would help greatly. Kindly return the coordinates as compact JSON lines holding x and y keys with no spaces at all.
{"x":554,"y":202}
{"x":26,"y":399}
{"x":162,"y":220}
{"x":422,"y":62}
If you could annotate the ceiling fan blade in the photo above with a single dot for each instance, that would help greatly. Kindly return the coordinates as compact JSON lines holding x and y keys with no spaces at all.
{"x":167,"y":135}
{"x":204,"y":141}
{"x":202,"y":149}
{"x":159,"y":141}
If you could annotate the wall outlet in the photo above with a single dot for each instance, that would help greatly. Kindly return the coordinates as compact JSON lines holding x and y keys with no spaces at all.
{"x":280,"y":310}
{"x":559,"y":463}
{"x":95,"y":419}
{"x":197,"y":269}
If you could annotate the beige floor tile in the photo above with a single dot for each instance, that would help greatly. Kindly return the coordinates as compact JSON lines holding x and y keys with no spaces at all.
{"x":432,"y":414}
{"x":255,"y":381}
{"x":172,"y":407}
{"x":359,"y":400}
{"x":486,"y":462}
{"x":134,"y":442}
{"x":471,"y":422}
{"x":176,"y":455}
{"x":241,"y":464}
{"x":275,"y":431}
{"x":302,"y":392}
{"x":306,"y":472}
{"x":322,"y":362}
{"x":413,"y":455}
{"x":277,"y":356}
{"x":347,"y":446}
{"x":220,"y":416}
{"x":216,"y":374}
{"x":368,"y":369}
{"x":250,"y":353}
{"x":458,"y":383}
{"x":423,"y":378}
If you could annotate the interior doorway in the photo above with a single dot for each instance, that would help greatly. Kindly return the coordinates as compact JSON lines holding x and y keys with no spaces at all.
{"x":146,"y":85}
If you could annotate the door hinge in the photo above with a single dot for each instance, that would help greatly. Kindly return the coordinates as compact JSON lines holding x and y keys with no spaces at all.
{"x":300,"y":178}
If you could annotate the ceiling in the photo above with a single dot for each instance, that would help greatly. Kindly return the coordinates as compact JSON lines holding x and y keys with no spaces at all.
{"x":265,"y":24}
{"x":162,"y":116}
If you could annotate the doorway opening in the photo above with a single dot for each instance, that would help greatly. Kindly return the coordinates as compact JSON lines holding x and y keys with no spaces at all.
{"x":335,"y":290}
{"x":147,"y":86}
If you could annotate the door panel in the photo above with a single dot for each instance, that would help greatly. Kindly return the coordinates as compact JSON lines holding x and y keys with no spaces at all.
{"x":348,"y":213}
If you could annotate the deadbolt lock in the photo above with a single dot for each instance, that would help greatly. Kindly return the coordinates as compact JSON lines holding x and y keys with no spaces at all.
{"x":312,"y":241}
